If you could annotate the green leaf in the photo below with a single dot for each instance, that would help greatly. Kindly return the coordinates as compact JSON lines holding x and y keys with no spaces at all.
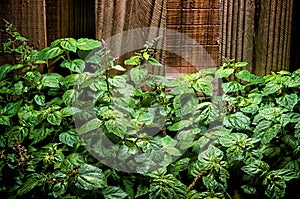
{"x":69,"y":138}
{"x":232,"y":86}
{"x":39,"y":134}
{"x":89,"y":126}
{"x":245,"y":75}
{"x":256,"y":167}
{"x":55,"y":118}
{"x":50,"y":53}
{"x":270,"y":134}
{"x":118,"y":68}
{"x":69,"y":44}
{"x":204,"y":85}
{"x":39,"y":99}
{"x":118,"y":81}
{"x":29,"y":185}
{"x":4,"y":120}
{"x":12,"y":108}
{"x":69,"y":111}
{"x":240,"y":64}
{"x":288,"y":101}
{"x":51,"y":80}
{"x":224,"y":73}
{"x":248,"y":189}
{"x":90,"y":178}
{"x":77,"y":65}
{"x":271,"y":87}
{"x":133,"y":61}
{"x":113,"y":192}
{"x":137,"y":74}
{"x":4,"y":69}
{"x":88,"y":44}
{"x":271,"y":113}
{"x":154,"y":62}
{"x":141,"y":190}
{"x":70,"y":96}
{"x":237,"y":121}
{"x":146,"y":55}
{"x":180,"y":125}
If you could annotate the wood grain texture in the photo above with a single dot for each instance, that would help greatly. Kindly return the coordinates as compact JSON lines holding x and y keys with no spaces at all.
{"x":257,"y":32}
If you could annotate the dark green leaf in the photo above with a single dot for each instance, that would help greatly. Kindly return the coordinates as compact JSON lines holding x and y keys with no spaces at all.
{"x":12,"y":108}
{"x":28,"y":186}
{"x":55,"y":118}
{"x":4,"y":120}
{"x":69,"y":138}
{"x":113,"y":192}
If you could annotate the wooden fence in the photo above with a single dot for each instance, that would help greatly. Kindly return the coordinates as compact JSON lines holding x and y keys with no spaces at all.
{"x":255,"y":31}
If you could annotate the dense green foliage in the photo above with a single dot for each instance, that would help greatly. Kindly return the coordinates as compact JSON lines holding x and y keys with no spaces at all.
{"x":175,"y":137}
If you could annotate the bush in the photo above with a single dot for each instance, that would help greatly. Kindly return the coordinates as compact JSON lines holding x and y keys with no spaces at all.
{"x":160,"y":138}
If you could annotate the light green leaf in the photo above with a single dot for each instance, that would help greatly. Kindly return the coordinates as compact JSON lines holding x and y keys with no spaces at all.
{"x":224,"y":73}
{"x":50,"y":53}
{"x":70,"y":96}
{"x":90,"y":178}
{"x":146,"y":55}
{"x":69,"y":44}
{"x":232,"y":86}
{"x":204,"y":85}
{"x":55,"y":118}
{"x":51,"y":80}
{"x":89,"y":126}
{"x":113,"y":192}
{"x":133,"y":61}
{"x":118,"y":68}
{"x":118,"y":81}
{"x":77,"y":65}
{"x":88,"y":44}
{"x":240,"y":64}
{"x":271,"y":87}
{"x":39,"y":99}
{"x":245,"y":75}
{"x":69,"y":111}
{"x":180,"y":125}
{"x":137,"y":74}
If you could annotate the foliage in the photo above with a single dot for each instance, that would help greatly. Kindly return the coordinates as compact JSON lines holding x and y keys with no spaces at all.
{"x":174,"y":138}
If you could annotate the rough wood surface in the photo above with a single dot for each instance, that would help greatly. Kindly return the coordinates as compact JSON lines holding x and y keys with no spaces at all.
{"x":257,"y":32}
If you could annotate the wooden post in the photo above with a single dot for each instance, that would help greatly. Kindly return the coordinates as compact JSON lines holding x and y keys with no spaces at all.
{"x":257,"y":32}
